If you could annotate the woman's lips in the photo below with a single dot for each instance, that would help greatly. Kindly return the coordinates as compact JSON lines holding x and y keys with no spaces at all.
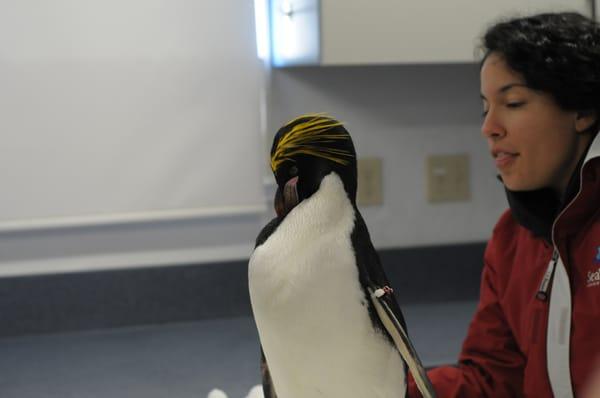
{"x":504,"y":159}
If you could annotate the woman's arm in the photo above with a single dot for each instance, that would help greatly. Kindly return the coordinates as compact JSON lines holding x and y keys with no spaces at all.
{"x":490,"y":363}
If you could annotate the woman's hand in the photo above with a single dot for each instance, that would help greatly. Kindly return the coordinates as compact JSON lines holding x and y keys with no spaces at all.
{"x":592,"y":388}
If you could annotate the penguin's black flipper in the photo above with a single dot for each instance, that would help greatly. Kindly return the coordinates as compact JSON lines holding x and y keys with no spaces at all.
{"x":267,"y":383}
{"x":371,"y":273}
{"x":384,"y":309}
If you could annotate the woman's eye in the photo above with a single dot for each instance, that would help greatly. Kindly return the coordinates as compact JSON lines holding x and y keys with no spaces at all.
{"x":293,"y":171}
{"x":484,"y":113}
{"x":515,"y":104}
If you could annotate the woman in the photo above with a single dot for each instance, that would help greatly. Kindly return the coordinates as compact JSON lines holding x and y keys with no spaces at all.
{"x":536,"y":331}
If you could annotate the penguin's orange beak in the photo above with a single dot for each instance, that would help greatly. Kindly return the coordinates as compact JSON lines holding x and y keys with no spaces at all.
{"x":287,"y":198}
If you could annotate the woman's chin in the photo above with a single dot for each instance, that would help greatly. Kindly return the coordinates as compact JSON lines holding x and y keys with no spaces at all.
{"x":518,"y":185}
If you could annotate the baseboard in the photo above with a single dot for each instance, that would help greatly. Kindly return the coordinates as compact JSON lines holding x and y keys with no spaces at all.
{"x":115,"y":298}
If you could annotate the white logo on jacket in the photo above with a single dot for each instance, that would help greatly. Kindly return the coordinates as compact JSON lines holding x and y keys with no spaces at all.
{"x":593,"y":278}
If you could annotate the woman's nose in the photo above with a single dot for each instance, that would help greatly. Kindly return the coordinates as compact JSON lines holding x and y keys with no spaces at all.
{"x":491,"y":126}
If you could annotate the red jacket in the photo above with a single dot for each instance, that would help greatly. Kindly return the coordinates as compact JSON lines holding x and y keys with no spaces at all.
{"x":504,"y":353}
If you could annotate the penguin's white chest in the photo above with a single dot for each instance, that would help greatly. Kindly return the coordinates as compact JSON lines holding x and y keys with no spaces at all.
{"x":311,"y":311}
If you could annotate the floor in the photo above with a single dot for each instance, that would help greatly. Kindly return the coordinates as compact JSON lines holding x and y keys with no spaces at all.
{"x":184,"y":360}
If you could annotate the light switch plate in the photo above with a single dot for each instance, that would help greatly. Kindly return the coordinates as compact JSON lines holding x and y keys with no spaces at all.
{"x":448,"y":178}
{"x":369,"y":182}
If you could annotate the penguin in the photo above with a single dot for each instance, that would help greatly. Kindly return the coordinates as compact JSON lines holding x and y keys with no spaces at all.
{"x":328,"y":323}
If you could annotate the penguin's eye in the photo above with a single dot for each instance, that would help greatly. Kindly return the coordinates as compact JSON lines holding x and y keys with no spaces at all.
{"x":293,"y":171}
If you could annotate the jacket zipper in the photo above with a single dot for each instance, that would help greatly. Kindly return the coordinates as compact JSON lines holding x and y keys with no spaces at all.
{"x":542,"y":293}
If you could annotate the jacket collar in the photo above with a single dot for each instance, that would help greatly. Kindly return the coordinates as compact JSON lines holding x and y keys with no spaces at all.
{"x":537,"y":210}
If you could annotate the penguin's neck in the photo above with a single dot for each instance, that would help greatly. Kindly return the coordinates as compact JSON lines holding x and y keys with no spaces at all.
{"x":314,"y":239}
{"x":327,"y":207}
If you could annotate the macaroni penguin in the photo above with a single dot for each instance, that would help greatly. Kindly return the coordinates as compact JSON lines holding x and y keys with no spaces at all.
{"x":320,"y":298}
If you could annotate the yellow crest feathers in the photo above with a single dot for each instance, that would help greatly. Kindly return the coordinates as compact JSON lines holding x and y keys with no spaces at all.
{"x":307,"y":137}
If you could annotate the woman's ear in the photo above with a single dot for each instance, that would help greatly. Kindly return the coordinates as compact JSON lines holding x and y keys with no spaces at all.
{"x":585,"y":120}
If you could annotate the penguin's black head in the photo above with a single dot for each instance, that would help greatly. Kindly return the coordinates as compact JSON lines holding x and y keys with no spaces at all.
{"x":304,"y":151}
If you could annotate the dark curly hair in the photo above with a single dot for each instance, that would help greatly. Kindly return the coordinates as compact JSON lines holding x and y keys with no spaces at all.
{"x":558,"y":53}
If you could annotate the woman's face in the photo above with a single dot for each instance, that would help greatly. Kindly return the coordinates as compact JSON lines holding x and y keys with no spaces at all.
{"x":533,"y":142}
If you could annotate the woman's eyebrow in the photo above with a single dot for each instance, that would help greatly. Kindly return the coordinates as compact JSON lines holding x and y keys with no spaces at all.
{"x":505,"y":88}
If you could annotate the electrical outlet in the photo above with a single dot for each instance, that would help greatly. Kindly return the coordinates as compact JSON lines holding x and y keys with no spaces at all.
{"x":369,"y":182}
{"x":448,"y":178}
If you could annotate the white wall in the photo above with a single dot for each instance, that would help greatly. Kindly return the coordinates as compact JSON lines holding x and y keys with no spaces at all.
{"x":399,"y":113}
{"x":119,"y":110}
{"x":131,"y":133}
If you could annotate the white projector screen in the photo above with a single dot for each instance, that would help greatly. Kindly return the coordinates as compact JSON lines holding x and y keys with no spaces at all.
{"x":118,"y":107}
